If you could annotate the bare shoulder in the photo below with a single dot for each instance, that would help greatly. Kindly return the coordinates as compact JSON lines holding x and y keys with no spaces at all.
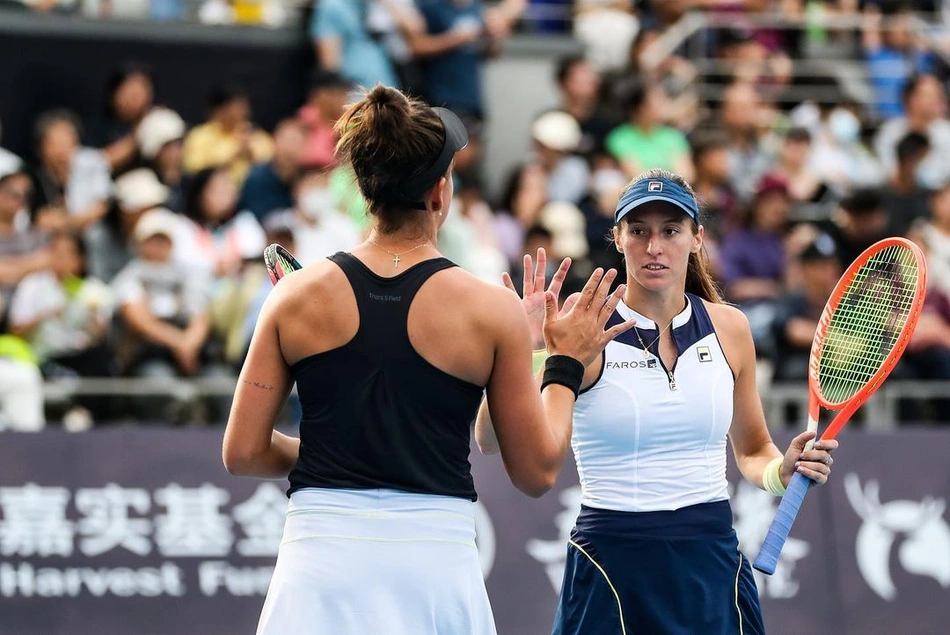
{"x":734,"y":333}
{"x":730,"y":322}
{"x":489,"y":303}
{"x":307,"y":289}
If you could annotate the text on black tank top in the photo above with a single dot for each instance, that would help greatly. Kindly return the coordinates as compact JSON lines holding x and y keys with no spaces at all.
{"x":375,"y":413}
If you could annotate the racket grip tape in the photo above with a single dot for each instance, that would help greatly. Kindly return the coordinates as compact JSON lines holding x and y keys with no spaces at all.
{"x":782,"y":524}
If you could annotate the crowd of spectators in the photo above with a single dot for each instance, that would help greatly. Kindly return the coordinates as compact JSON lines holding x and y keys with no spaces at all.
{"x":130,"y":245}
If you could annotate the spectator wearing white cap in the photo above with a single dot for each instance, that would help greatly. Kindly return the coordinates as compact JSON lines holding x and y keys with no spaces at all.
{"x":136,"y":192}
{"x":556,"y":136}
{"x":161,"y":303}
{"x":160,"y":135}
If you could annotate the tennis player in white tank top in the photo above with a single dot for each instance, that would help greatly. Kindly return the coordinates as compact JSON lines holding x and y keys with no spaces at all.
{"x":653,"y":550}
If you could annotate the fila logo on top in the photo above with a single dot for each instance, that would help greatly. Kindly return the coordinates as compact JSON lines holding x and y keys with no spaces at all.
{"x":704,"y":354}
{"x":655,"y":186}
{"x":916,"y":529}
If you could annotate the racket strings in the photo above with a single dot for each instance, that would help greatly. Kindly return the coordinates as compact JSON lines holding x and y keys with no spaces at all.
{"x":867,"y":323}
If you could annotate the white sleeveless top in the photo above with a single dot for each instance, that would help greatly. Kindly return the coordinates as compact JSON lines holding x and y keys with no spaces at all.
{"x":644,"y":442}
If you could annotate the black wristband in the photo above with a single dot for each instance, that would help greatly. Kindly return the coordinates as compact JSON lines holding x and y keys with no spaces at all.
{"x":565,"y":371}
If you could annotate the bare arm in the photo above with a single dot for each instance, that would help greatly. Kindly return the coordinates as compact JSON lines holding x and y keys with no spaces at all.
{"x":94,"y":213}
{"x":120,"y":151}
{"x":137,"y":316}
{"x":424,"y":44}
{"x":751,"y":442}
{"x":800,"y":332}
{"x":251,"y":445}
{"x":14,"y":269}
{"x":534,"y":437}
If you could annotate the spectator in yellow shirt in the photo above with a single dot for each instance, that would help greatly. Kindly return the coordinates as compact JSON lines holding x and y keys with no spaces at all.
{"x":228,"y":138}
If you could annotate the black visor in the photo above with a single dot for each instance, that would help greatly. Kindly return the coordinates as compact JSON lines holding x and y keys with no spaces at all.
{"x":456,"y":138}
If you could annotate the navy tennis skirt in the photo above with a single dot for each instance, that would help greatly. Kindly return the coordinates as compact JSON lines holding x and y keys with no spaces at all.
{"x":657,"y":573}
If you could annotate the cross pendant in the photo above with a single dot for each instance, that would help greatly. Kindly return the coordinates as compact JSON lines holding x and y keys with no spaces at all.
{"x":396,"y":262}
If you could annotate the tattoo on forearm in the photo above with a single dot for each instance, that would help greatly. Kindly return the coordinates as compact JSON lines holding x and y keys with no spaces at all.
{"x":258,"y":385}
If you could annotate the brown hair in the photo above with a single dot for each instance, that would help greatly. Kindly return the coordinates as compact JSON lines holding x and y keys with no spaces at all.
{"x":699,"y":279}
{"x":389,"y":138}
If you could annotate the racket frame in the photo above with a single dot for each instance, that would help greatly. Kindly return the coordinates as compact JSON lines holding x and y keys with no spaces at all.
{"x":794,"y":496}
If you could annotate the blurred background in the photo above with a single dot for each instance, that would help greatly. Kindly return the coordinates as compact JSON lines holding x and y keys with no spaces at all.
{"x":150,"y":149}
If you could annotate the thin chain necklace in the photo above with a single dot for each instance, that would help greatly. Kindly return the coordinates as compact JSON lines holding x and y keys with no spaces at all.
{"x":646,"y":353}
{"x":646,"y":350}
{"x":395,"y":255}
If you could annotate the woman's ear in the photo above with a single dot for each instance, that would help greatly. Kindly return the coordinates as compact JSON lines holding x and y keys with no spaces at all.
{"x":437,"y":202}
{"x":616,"y":237}
{"x":698,"y":238}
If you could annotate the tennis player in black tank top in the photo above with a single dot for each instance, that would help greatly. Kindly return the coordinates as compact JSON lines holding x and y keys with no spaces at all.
{"x":391,"y":347}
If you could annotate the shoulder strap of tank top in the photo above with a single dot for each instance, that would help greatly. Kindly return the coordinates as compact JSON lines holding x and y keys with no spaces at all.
{"x":384,"y":303}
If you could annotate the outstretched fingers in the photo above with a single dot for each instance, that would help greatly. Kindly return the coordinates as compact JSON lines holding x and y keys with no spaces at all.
{"x":603,"y":289}
{"x":540,"y":270}
{"x":590,"y":288}
{"x":559,"y":276}
{"x":527,"y":282}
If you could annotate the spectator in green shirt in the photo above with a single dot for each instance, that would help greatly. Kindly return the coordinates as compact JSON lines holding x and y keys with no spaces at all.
{"x":644,"y":143}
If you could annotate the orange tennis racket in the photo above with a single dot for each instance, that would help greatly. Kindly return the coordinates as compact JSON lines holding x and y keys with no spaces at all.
{"x":863,"y":331}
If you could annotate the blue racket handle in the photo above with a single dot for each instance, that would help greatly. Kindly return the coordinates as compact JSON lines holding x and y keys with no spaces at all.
{"x":782,"y":523}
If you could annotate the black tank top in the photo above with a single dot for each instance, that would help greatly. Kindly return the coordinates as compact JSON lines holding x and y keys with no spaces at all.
{"x":375,"y":413}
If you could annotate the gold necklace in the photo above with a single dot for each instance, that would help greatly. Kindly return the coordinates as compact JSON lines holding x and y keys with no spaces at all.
{"x":646,"y":350}
{"x":395,"y":255}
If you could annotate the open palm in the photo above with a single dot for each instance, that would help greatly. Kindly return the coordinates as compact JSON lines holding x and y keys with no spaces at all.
{"x":532,"y":292}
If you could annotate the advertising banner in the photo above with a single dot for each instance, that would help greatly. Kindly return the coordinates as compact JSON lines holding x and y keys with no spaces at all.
{"x":122,"y":531}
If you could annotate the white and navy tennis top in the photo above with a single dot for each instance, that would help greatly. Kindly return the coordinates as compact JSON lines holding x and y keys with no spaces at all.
{"x":647,"y":438}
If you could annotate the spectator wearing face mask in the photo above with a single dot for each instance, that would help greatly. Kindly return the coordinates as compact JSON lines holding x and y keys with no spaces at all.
{"x":839,"y":154}
{"x":268,"y":186}
{"x":319,"y":228}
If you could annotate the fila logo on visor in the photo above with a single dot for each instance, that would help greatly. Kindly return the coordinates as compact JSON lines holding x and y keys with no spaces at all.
{"x":655,"y":186}
{"x":704,"y":354}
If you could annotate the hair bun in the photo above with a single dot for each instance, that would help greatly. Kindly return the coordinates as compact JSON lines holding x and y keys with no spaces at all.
{"x":384,"y":96}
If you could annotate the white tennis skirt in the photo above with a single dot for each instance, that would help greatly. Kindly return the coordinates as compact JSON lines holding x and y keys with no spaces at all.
{"x":377,"y":562}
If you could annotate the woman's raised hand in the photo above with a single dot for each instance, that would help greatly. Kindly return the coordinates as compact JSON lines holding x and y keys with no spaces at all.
{"x":533,"y":292}
{"x":578,"y":330}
